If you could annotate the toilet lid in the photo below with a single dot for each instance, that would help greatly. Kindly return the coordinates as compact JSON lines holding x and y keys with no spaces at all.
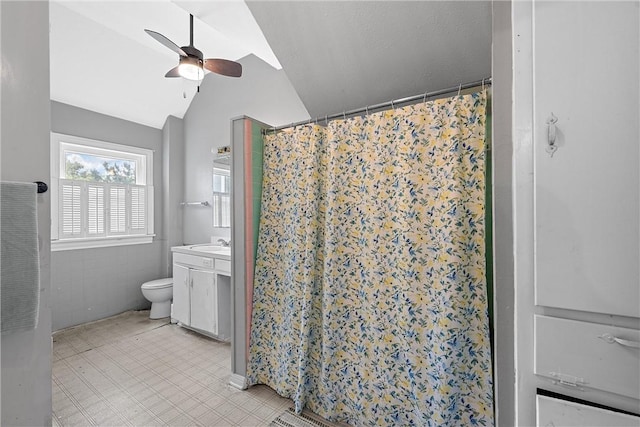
{"x":158,"y":284}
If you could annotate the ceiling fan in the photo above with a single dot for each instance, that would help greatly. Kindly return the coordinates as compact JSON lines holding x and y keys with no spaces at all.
{"x":191,"y":65}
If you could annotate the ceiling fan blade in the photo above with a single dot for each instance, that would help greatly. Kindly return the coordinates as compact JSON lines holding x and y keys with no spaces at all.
{"x":223,"y":66}
{"x":165,"y":41}
{"x":173,"y":72}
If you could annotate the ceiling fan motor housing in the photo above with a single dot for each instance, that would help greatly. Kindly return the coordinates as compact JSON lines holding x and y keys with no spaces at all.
{"x":192,"y":52}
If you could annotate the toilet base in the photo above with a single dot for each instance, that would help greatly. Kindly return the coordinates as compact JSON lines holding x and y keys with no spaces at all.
{"x":160,"y":310}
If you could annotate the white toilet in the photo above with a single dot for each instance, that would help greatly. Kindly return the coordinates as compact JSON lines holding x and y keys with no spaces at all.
{"x":159,"y":292}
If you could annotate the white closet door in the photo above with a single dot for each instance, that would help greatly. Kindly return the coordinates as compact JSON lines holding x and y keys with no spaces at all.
{"x":587,"y":200}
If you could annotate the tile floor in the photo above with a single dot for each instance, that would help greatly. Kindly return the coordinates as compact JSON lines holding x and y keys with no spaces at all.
{"x":131,"y":371}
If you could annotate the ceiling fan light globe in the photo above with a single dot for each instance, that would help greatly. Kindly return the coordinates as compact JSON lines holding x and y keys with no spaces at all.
{"x":191,"y":68}
{"x":191,"y":71}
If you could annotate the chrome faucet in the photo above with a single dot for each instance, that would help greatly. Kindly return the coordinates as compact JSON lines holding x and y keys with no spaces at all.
{"x":224,"y":243}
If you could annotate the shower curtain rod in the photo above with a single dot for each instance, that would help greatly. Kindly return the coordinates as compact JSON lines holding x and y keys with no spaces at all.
{"x":396,"y":102}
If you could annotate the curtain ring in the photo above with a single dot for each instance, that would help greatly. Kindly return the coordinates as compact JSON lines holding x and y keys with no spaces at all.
{"x":366,"y":111}
{"x":424,"y":100}
{"x":483,"y":85}
{"x":459,"y":89}
{"x":326,"y":119}
{"x":393,"y":107}
{"x":344,"y":115}
{"x":316,"y":120}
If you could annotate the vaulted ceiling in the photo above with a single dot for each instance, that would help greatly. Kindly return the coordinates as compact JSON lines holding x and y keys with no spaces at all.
{"x":346,"y":55}
{"x":102,"y":60}
{"x":338,"y":55}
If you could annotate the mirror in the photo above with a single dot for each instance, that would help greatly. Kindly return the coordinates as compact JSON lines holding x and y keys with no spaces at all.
{"x":221,"y":197}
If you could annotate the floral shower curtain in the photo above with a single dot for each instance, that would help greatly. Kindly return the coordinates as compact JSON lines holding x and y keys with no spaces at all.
{"x":370,"y":300}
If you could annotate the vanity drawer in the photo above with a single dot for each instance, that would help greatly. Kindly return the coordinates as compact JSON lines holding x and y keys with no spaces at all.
{"x":223,"y":265}
{"x":193,"y":260}
{"x":556,"y":412}
{"x":582,"y":354}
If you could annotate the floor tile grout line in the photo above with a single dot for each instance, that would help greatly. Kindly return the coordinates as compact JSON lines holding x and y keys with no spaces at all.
{"x":196,"y":380}
{"x":131,"y":361}
{"x":101,"y":395}
{"x":73,"y":400}
{"x":113,"y":381}
{"x":95,"y":390}
{"x":166,"y":379}
{"x":77,"y":351}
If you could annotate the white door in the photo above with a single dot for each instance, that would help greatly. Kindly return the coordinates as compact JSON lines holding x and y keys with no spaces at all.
{"x":587,"y":200}
{"x":203,"y":301}
{"x":181,"y":295}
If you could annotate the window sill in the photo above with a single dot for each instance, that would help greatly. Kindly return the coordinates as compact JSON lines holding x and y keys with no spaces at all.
{"x":102,"y":242}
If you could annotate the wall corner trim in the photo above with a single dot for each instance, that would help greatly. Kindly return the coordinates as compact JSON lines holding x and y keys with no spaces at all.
{"x":238,"y":381}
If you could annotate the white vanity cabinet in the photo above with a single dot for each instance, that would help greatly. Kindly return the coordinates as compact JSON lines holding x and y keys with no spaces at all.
{"x":201,"y":291}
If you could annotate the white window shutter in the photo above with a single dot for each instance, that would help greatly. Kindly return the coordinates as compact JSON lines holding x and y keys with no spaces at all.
{"x":150,"y":202}
{"x":71,"y":209}
{"x":221,"y":210}
{"x":226,"y":210}
{"x":138,"y":214}
{"x":117,"y":209}
{"x":95,"y":210}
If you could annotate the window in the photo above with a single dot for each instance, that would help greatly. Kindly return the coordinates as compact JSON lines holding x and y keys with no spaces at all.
{"x":102,"y":193}
{"x":221,"y":197}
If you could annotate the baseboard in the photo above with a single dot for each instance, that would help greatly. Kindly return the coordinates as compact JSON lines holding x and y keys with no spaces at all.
{"x":238,"y":381}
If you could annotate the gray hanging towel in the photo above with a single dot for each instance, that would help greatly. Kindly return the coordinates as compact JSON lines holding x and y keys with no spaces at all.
{"x":19,"y":259}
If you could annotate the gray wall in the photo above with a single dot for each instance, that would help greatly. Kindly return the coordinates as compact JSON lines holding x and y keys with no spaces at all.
{"x":502,"y":152}
{"x":262,"y":93}
{"x":24,"y":153}
{"x":92,"y":284}
{"x":173,"y":186}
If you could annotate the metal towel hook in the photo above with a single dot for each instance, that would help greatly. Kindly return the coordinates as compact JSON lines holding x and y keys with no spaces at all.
{"x":42,"y":187}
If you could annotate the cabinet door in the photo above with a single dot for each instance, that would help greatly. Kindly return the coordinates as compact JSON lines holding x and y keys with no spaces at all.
{"x":204,"y":301}
{"x":181,"y":297}
{"x":587,"y":204}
